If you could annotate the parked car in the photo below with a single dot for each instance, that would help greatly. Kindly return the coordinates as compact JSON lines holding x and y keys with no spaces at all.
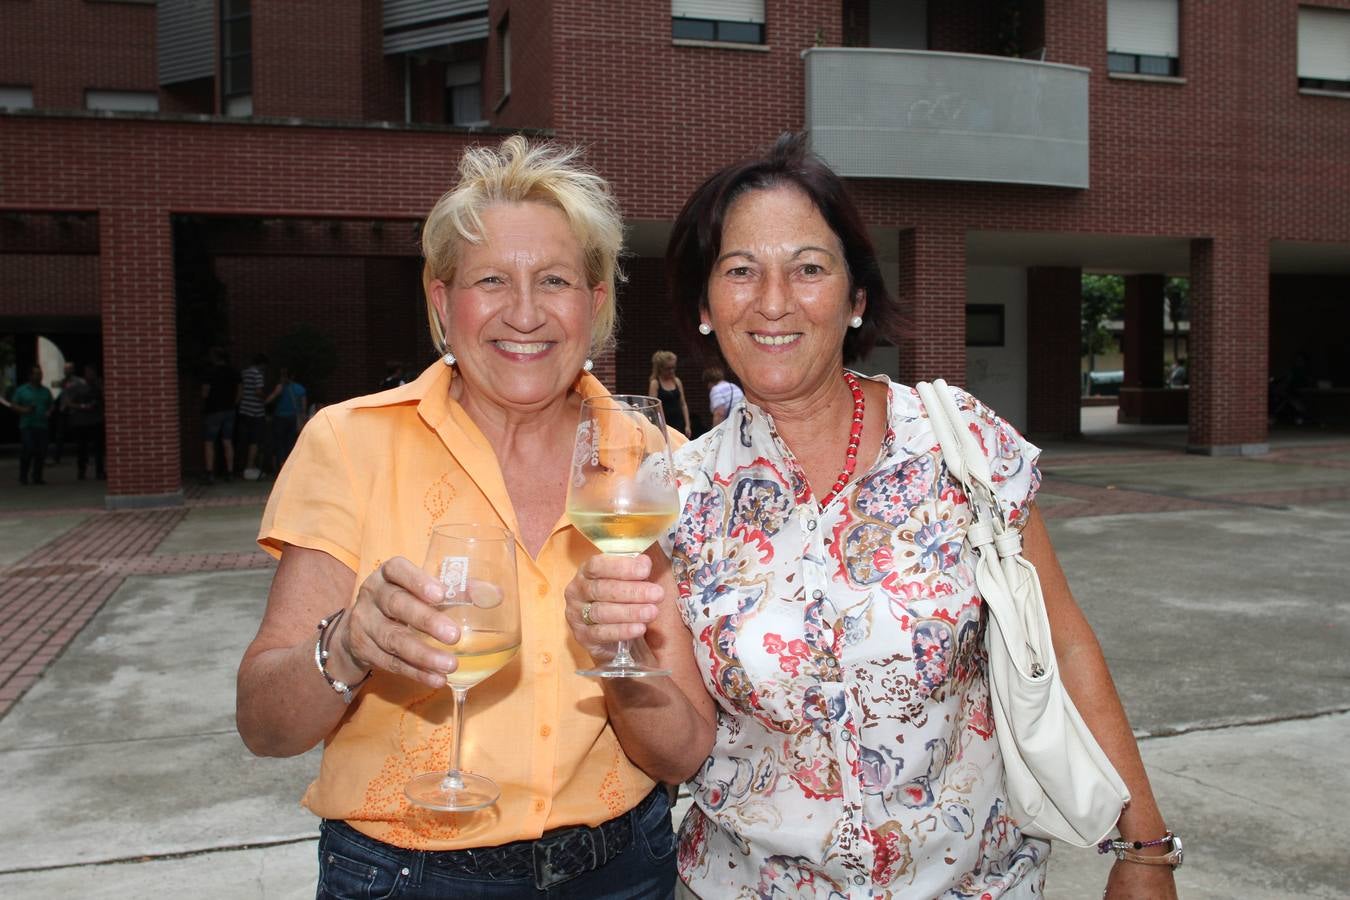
{"x":1105,"y":383}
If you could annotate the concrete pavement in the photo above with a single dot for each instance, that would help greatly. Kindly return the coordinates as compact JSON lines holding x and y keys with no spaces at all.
{"x":1217,"y":588}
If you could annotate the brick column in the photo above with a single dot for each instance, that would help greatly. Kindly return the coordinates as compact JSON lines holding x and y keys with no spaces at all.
{"x":1228,"y":357}
{"x":1054,"y":316}
{"x":139,"y":357}
{"x":932,"y":295}
{"x":1144,"y":330}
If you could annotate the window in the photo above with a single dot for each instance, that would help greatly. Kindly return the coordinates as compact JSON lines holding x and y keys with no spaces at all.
{"x":504,"y":46}
{"x":732,"y":21}
{"x":1141,"y":37}
{"x":464,"y":93}
{"x":984,"y":325}
{"x":123,"y":101}
{"x":1324,"y":49}
{"x":13,"y":96}
{"x":236,"y":57}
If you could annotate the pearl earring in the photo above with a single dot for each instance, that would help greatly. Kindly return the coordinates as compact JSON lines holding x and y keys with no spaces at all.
{"x":587,"y":365}
{"x":448,"y":358}
{"x":704,"y":328}
{"x":855,"y":322}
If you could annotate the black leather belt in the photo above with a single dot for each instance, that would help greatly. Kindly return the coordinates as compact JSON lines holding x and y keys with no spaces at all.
{"x":555,"y":857}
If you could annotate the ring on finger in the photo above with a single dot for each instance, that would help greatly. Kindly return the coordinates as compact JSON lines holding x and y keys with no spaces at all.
{"x":586,"y":614}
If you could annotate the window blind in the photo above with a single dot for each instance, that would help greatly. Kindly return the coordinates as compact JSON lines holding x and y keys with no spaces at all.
{"x":721,"y":10}
{"x":1324,"y":43}
{"x":1145,"y":27}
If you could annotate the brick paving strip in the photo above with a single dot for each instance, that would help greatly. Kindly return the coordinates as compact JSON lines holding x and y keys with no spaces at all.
{"x":49,"y":595}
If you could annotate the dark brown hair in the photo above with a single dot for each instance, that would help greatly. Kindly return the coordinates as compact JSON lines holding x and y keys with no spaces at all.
{"x":696,"y":239}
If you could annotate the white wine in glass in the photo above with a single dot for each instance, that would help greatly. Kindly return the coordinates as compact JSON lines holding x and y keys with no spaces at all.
{"x":622,"y":495}
{"x":477,"y":566}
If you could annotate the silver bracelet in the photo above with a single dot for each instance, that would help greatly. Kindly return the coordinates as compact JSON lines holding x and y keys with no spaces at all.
{"x":321,"y":659}
{"x":1126,"y":851}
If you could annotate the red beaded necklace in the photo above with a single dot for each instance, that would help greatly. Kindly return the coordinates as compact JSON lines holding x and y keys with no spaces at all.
{"x":854,"y":439}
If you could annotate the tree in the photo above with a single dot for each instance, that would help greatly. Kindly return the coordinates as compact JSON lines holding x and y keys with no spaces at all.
{"x":1103,"y":300}
{"x":1177,"y":294}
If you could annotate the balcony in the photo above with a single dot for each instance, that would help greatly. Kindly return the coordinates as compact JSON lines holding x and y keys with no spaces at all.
{"x":947,"y":116}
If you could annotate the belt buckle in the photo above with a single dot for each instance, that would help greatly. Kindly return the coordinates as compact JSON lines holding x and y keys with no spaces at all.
{"x":564,"y":856}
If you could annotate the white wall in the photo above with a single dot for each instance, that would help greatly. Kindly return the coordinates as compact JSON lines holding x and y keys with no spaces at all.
{"x":998,"y":375}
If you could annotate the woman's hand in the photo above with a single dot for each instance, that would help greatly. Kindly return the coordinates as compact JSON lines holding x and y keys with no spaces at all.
{"x":1138,"y":881}
{"x":621,"y":602}
{"x":386,"y":627}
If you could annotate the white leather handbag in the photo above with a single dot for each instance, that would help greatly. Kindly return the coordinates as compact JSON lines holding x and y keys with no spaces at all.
{"x":1060,"y":783}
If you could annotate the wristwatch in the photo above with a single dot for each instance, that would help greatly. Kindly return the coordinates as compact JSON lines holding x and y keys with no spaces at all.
{"x":1128,"y":851}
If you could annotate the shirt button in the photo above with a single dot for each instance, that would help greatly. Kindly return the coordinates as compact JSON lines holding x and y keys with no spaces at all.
{"x":543,"y":590}
{"x":858,"y":879}
{"x":545,"y":731}
{"x":811,"y":525}
{"x":405,"y":872}
{"x":816,"y":595}
{"x":539,"y":806}
{"x":545,"y":658}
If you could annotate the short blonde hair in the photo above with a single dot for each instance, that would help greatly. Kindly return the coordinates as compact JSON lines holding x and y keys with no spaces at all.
{"x":661,"y":359}
{"x":518,"y":172}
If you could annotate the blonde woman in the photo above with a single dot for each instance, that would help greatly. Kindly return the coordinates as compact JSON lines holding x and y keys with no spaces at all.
{"x":667,"y":387}
{"x":520,"y":271}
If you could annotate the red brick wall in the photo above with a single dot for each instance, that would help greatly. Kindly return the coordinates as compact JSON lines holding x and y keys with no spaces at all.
{"x":535,"y":31}
{"x":305,"y":53}
{"x":49,"y":284}
{"x":62,"y":47}
{"x":140,"y":378}
{"x":659,"y":118}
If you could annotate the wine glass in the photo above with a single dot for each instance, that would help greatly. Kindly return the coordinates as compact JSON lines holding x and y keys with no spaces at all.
{"x":477,"y":566}
{"x":622,"y":491}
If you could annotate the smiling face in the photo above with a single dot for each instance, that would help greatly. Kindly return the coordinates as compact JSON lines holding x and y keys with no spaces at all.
{"x":778,"y":296}
{"x":518,"y":311}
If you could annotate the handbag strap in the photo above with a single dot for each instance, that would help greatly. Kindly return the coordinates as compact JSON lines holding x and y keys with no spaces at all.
{"x":968,"y":465}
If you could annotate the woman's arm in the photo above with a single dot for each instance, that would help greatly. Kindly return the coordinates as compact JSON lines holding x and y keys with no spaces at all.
{"x":666,"y":725}
{"x":684,"y":406}
{"x":283,"y":706}
{"x":1088,"y":681}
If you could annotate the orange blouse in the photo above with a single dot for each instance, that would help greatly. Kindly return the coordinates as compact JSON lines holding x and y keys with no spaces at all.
{"x":367,"y":481}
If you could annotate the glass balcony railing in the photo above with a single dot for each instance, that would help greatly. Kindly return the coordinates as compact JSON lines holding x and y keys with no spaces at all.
{"x":947,"y":116}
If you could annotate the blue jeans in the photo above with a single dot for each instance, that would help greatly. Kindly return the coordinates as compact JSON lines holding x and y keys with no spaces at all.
{"x":355,"y":867}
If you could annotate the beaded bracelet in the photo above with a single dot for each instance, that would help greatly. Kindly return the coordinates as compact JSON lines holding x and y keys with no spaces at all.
{"x":348,"y":691}
{"x":1124,"y":850}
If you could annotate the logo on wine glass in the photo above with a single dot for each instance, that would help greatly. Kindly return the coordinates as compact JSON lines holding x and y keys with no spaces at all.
{"x":586,"y":449}
{"x":455,"y":577}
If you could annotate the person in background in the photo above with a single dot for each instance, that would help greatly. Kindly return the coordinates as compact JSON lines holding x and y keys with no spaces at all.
{"x":820,"y":584}
{"x":33,"y":402}
{"x":83,"y":399}
{"x":723,"y":395}
{"x":251,"y":423}
{"x":667,"y":387}
{"x":220,"y":397}
{"x":288,"y":415}
{"x":60,"y":417}
{"x":521,"y":260}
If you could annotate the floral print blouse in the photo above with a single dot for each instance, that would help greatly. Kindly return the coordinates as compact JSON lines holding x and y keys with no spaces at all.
{"x":854,"y":754}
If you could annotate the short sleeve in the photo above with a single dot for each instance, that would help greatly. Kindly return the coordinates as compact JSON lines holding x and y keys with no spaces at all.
{"x":314,"y":503}
{"x":1012,"y":460}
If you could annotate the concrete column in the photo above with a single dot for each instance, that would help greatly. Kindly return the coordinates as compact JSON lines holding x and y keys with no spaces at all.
{"x":139,"y":357}
{"x":1228,"y":362}
{"x":932,"y":296}
{"x":1144,"y":330}
{"x":1054,"y":317}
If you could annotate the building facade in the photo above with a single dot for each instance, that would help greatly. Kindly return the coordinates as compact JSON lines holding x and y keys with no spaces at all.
{"x":253,"y":173}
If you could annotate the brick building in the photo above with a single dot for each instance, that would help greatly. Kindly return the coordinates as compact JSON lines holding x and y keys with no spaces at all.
{"x":188,"y":172}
